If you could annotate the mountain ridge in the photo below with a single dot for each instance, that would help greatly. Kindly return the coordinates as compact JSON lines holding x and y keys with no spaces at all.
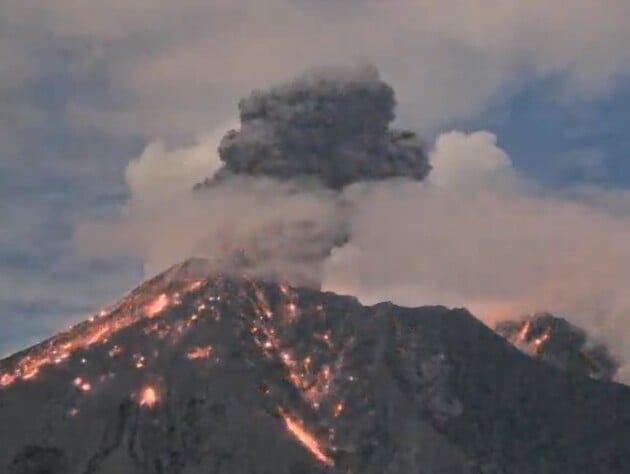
{"x":225,"y":374}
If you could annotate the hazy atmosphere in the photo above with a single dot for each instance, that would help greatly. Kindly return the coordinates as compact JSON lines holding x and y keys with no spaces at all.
{"x":110,"y":112}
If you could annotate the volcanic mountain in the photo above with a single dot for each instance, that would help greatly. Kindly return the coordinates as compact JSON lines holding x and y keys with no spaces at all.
{"x":204,"y":373}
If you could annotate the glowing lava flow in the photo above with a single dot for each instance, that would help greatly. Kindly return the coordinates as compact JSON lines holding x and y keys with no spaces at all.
{"x":523,"y":333}
{"x":310,"y":442}
{"x":308,"y":373}
{"x":157,"y":306}
{"x":524,"y":341}
{"x":315,"y":384}
{"x":96,"y":330}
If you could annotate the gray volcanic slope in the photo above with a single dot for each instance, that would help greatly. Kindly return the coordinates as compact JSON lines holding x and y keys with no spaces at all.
{"x":195,"y":375}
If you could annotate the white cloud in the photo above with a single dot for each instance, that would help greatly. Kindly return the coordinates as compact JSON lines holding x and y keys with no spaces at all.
{"x":159,"y":174}
{"x":461,"y":160}
{"x":164,"y":222}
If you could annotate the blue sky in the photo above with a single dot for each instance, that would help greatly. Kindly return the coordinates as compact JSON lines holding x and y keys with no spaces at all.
{"x":83,"y":89}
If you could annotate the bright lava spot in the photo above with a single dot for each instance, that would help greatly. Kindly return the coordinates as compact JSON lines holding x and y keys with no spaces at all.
{"x":138,"y":360}
{"x":541,"y":339}
{"x":7,"y":379}
{"x":114,"y":351}
{"x":157,"y":306}
{"x":30,"y":373}
{"x":199,"y":353}
{"x":82,"y":385}
{"x":61,"y":357}
{"x":148,"y":397}
{"x":305,"y":438}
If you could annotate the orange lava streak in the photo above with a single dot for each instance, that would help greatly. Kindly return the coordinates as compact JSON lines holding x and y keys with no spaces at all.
{"x":297,"y":430}
{"x":522,"y":334}
{"x":157,"y":306}
{"x":94,"y":331}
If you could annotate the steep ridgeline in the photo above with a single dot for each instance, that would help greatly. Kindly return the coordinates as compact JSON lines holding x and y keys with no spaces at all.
{"x":559,"y":343}
{"x":192,"y":374}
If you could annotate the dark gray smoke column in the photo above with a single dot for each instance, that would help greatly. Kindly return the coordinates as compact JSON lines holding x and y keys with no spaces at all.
{"x":329,"y":124}
{"x":325,"y":128}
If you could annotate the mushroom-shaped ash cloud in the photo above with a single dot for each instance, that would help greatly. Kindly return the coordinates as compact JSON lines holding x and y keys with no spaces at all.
{"x":329,"y":124}
{"x":310,"y":138}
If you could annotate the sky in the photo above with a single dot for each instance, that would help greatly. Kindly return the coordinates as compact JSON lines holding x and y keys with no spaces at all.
{"x":88,"y":87}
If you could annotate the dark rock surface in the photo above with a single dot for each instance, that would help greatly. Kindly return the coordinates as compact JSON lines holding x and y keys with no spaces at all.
{"x":215,"y":375}
{"x":39,"y":460}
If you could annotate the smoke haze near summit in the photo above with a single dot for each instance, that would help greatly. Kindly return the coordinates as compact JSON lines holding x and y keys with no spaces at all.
{"x":474,"y":233}
{"x":272,"y":188}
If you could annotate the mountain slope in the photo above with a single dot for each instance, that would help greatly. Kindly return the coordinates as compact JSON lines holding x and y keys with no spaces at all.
{"x":193,"y":374}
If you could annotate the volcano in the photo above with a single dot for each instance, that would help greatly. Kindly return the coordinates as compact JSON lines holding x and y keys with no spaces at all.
{"x":197,"y":372}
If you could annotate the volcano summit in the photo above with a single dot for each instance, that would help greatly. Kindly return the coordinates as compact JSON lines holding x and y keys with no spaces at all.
{"x":220,"y":366}
{"x":191,"y":374}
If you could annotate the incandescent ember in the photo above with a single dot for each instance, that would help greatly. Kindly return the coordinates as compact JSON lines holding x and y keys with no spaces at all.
{"x":148,"y":397}
{"x":297,"y":429}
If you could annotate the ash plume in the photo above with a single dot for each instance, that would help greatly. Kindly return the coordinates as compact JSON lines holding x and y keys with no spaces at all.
{"x":262,"y":227}
{"x":301,"y":190}
{"x":312,"y":136}
{"x":333,"y":125}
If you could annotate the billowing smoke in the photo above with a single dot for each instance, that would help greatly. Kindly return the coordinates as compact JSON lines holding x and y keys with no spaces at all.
{"x":240,"y":223}
{"x":261,"y":226}
{"x":160,"y":175}
{"x":332,"y":125}
{"x":559,"y":343}
{"x":315,"y":187}
{"x":306,"y":139}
